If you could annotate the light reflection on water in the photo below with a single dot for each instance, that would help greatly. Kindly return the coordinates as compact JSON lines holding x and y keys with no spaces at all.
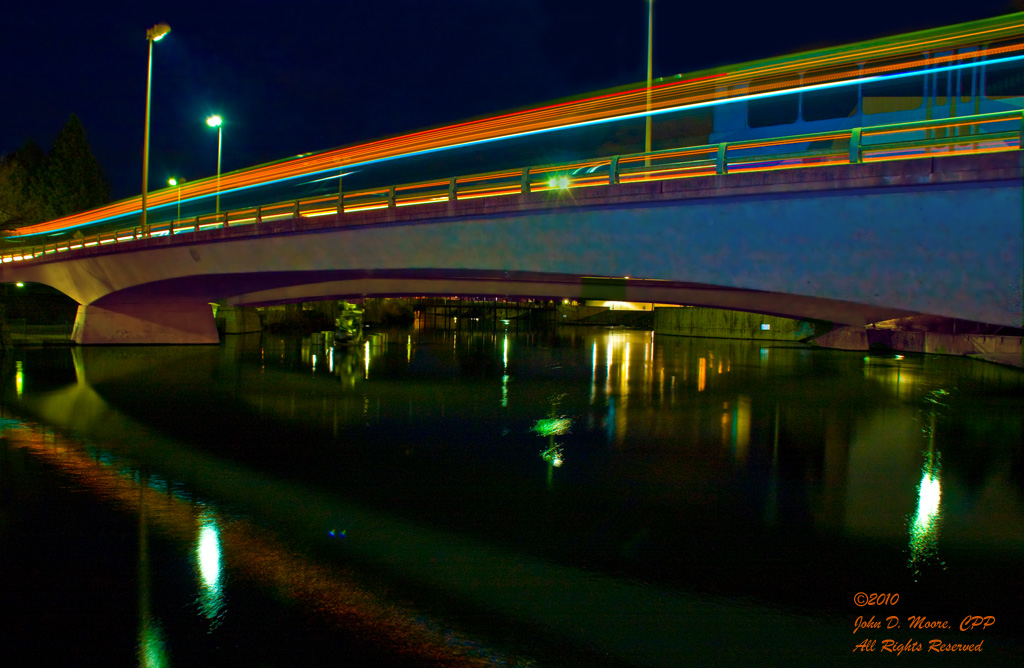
{"x":211,"y":595}
{"x":684,"y":456}
{"x":251,"y":552}
{"x":654,"y":395}
{"x":924,"y":526}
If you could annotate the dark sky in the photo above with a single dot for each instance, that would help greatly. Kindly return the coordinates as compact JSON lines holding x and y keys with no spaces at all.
{"x":306,"y":75}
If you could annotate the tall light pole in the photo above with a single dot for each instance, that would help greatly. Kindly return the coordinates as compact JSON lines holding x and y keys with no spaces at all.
{"x":216,"y":121}
{"x":650,"y":54}
{"x":177,"y":182}
{"x":154,"y":34}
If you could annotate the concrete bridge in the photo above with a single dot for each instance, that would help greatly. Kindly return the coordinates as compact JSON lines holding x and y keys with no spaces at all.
{"x":851,"y":244}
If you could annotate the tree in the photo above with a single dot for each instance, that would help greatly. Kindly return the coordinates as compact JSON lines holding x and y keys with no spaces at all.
{"x":73,"y":178}
{"x":22,"y":192}
{"x":35,"y":187}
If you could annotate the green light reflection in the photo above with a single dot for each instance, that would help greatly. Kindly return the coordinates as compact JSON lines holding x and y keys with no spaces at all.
{"x":208,"y":553}
{"x":552,"y":426}
{"x":549,"y":427}
{"x":924,"y":527}
{"x":153,"y":650}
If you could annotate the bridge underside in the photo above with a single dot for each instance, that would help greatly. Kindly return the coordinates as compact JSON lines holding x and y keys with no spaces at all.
{"x":850,"y":245}
{"x":504,"y":285}
{"x":159,"y":315}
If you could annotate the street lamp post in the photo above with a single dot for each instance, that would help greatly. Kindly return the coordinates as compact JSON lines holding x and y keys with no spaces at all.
{"x":154,"y":34}
{"x":177,"y":182}
{"x":217,"y":122}
{"x":650,"y":53}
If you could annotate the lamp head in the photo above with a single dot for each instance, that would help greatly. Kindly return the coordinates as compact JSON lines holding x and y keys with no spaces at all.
{"x":158,"y":32}
{"x":172,"y":181}
{"x":214,"y":121}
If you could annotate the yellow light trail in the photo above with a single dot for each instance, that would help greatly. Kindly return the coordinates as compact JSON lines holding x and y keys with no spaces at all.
{"x":847,"y":63}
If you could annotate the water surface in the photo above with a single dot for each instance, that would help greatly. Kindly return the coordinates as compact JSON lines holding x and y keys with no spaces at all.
{"x":564,"y":498}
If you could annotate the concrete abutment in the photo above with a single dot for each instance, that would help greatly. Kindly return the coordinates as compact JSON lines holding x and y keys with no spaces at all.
{"x":238,"y":319}
{"x":145,"y":324}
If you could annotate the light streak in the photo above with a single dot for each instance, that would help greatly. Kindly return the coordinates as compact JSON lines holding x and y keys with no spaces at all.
{"x":696,"y":92}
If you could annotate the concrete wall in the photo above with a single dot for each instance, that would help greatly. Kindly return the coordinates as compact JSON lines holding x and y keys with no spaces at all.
{"x":1005,"y":349}
{"x":699,"y":321}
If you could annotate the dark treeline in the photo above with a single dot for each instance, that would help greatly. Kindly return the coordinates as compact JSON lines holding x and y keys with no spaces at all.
{"x":36,"y":186}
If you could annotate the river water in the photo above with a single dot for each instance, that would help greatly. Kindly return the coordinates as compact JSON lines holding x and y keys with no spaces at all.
{"x":568,"y":497}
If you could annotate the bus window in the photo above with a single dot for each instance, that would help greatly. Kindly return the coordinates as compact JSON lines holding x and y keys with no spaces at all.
{"x":688,"y":128}
{"x":821,"y":105}
{"x":1004,"y":80}
{"x":898,"y":94}
{"x":779,"y":110}
{"x":774,"y":110}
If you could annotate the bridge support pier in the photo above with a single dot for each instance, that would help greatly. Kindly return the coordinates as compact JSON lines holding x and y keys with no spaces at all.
{"x":239,"y":319}
{"x":145,"y":324}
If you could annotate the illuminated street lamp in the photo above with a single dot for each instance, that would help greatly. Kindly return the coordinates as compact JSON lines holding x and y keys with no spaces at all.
{"x":216,"y":121}
{"x":650,"y":53}
{"x":154,"y":34}
{"x":176,"y":182}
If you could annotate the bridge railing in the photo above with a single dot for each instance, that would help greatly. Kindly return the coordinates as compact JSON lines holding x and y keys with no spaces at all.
{"x":982,"y":133}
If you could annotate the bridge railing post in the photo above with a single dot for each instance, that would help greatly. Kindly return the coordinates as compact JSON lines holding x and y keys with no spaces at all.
{"x":1020,"y":140}
{"x":855,"y":153}
{"x":391,"y":197}
{"x":452,"y":190}
{"x":613,"y":171}
{"x":259,"y":214}
{"x":526,"y":180}
{"x":295,"y":210}
{"x":721,"y":167}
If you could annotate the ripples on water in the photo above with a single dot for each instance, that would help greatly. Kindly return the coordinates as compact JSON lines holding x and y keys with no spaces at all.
{"x":578,"y":497}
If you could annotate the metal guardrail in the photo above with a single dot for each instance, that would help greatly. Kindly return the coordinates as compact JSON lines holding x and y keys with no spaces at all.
{"x":965,"y":135}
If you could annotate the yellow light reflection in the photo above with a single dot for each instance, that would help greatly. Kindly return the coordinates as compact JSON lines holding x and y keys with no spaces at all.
{"x":593,"y":373}
{"x":898,"y":374}
{"x":624,"y":379}
{"x":19,"y":378}
{"x":741,"y":428}
{"x":701,"y":374}
{"x":366,"y":359}
{"x":608,"y":367}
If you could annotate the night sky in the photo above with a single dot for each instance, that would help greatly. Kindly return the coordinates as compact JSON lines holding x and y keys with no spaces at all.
{"x":304,"y":76}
